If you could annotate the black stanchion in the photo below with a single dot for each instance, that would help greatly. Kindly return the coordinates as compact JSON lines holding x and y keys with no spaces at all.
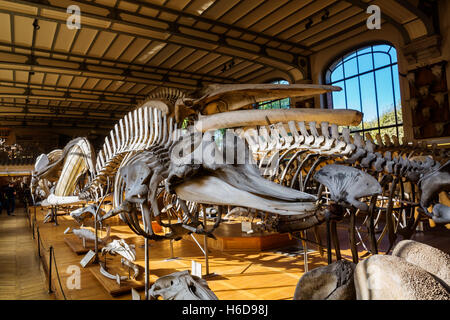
{"x":50,"y":270}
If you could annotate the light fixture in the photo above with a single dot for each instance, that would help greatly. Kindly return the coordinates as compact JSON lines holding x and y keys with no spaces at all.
{"x":36,"y":24}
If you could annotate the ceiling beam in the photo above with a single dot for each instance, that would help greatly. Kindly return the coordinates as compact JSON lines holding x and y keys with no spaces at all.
{"x":60,"y":116}
{"x":420,"y":14}
{"x":55,"y":120}
{"x":126,"y":66}
{"x":63,"y":110}
{"x":220,"y":24}
{"x":92,"y":70}
{"x":22,"y":84}
{"x":190,"y":40}
{"x":364,"y":5}
{"x":22,"y":93}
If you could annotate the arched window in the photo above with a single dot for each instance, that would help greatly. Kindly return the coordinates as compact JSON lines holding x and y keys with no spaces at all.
{"x":275,"y":104}
{"x":370,"y":81}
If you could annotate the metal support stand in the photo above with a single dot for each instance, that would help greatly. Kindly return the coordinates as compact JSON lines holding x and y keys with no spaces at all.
{"x":305,"y":250}
{"x":171,"y":242}
{"x":96,"y":240}
{"x":205,"y":244}
{"x":329,"y":257}
{"x":147,"y":269}
{"x":50,"y":270}
{"x":171,"y":253}
{"x":39,"y":243}
{"x":55,"y":215}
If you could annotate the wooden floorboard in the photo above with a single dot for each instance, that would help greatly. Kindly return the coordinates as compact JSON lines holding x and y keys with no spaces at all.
{"x":266,"y":275}
{"x":21,"y":274}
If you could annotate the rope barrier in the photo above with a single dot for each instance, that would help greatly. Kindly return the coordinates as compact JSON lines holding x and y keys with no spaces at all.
{"x":52,"y":257}
{"x":57,"y":275}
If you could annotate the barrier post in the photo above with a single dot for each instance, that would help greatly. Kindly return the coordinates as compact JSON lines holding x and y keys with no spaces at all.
{"x":50,"y":271}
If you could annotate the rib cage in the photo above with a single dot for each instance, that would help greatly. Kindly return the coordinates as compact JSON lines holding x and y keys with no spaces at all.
{"x":138,"y":130}
{"x":166,"y":94}
{"x":268,"y":141}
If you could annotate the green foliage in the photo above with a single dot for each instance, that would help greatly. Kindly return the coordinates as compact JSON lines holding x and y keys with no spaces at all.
{"x":276,"y":104}
{"x":386,"y":119}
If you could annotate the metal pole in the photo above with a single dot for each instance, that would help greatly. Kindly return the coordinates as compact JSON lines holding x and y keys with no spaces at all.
{"x":50,"y":270}
{"x":55,"y":215}
{"x":32,"y":227}
{"x":171,"y":249}
{"x":329,"y":242}
{"x":96,"y":239}
{"x":205,"y":243}
{"x":305,"y":251}
{"x":39,"y":243}
{"x":147,"y":269}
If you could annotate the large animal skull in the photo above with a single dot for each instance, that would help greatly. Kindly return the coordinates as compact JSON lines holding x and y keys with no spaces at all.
{"x":181,"y":286}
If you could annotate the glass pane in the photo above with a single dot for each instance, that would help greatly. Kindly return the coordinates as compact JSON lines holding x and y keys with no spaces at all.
{"x":337,"y":74}
{"x":393,"y":54}
{"x":385,"y":97}
{"x":353,"y":98}
{"x":401,"y":134}
{"x":339,"y":97}
{"x":350,"y":68}
{"x":285,"y":103}
{"x":365,"y":62}
{"x":365,"y":50}
{"x":369,"y":105}
{"x":382,"y":47}
{"x":381,"y":59}
{"x":281,"y":82}
{"x":398,"y":96}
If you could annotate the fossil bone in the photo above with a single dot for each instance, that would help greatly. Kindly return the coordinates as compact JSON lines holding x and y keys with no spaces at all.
{"x":122,"y":248}
{"x":181,"y":286}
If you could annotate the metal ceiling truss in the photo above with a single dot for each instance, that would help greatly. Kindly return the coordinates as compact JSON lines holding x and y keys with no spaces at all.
{"x":67,"y":96}
{"x":45,"y":121}
{"x":213,"y":22}
{"x":125,"y":66}
{"x":172,"y":29}
{"x":137,"y":74}
{"x":85,"y":111}
{"x":46,"y":87}
{"x":71,"y":116}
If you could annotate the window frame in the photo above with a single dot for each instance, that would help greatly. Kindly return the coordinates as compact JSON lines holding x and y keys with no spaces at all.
{"x":341,"y":60}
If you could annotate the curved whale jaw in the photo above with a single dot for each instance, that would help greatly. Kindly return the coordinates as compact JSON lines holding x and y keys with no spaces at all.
{"x":213,"y":190}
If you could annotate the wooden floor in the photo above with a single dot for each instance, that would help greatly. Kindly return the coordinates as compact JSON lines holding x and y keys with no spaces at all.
{"x":21,"y":274}
{"x":268,"y":275}
{"x":248,"y":276}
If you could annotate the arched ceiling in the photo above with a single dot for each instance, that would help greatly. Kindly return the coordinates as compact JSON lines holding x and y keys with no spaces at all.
{"x":125,"y":50}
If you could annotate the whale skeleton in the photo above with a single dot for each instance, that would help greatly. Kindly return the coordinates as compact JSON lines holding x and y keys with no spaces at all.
{"x":140,"y":156}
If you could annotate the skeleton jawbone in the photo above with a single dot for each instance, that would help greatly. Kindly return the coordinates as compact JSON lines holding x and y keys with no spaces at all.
{"x":212,"y":190}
